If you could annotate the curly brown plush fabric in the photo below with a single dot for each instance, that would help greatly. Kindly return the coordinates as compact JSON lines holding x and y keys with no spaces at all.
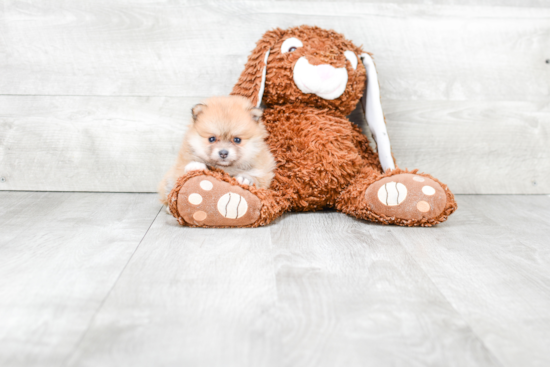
{"x":320,"y":47}
{"x":352,"y":201}
{"x":323,"y":160}
{"x":272,"y":205}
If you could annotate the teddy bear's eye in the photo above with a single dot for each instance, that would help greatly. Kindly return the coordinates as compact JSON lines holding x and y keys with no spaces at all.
{"x":212,"y":139}
{"x":352,"y":58}
{"x":290,"y":45}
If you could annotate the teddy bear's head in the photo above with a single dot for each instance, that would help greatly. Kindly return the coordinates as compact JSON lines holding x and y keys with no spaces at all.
{"x":305,"y":65}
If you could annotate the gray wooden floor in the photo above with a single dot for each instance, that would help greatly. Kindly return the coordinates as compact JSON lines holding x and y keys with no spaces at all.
{"x":91,"y":279}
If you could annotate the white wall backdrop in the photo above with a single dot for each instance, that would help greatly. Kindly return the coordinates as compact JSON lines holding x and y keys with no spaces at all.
{"x":95,"y":94}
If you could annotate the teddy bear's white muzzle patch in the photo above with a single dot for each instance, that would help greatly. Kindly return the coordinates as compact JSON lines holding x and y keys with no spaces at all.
{"x":324,"y":80}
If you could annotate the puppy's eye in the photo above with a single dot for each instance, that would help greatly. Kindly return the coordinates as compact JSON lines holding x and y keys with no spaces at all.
{"x":237,"y":140}
{"x":352,"y":59}
{"x":290,"y":45}
{"x":212,"y":139}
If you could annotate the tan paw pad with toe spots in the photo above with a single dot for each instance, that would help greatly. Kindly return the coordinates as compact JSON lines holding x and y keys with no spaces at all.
{"x":206,"y":201}
{"x":406,"y":196}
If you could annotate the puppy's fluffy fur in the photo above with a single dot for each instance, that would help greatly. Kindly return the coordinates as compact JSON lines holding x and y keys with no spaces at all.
{"x":226,"y":133}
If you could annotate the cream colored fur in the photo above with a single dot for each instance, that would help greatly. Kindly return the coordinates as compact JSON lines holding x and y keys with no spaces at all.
{"x":224,"y":118}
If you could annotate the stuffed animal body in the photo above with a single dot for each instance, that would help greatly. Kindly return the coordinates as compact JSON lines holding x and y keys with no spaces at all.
{"x":313,"y":170}
{"x":310,"y":79}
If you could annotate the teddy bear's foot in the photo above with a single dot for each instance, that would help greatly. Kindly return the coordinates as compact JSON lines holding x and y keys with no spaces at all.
{"x":406,"y":196}
{"x":205,"y":201}
{"x":398,"y":197}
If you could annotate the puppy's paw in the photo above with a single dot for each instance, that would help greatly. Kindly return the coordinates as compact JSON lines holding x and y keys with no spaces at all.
{"x":245,"y":180}
{"x":195,"y":166}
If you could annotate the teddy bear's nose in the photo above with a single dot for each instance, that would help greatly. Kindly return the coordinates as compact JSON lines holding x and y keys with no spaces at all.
{"x":325,"y":71}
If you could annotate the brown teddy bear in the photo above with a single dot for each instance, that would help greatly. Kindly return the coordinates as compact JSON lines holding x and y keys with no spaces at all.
{"x":310,"y":79}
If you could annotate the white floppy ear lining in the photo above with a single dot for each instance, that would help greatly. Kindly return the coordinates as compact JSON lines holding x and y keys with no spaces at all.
{"x":262,"y":85}
{"x":375,"y":116}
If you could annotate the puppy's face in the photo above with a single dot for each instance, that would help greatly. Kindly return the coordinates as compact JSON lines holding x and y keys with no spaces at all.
{"x":226,"y":131}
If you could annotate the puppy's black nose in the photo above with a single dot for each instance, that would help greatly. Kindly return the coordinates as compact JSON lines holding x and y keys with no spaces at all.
{"x":224,"y":153}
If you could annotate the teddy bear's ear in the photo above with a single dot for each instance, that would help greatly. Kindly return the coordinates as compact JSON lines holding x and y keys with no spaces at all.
{"x":375,"y":115}
{"x":251,"y":83}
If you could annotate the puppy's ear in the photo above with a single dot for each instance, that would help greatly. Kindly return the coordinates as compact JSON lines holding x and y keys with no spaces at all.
{"x":197,"y":110}
{"x":251,"y":83}
{"x":256,"y":113}
{"x":375,"y":115}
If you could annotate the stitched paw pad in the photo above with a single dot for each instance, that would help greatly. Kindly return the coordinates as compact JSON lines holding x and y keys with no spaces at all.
{"x":206,"y":201}
{"x":406,"y":196}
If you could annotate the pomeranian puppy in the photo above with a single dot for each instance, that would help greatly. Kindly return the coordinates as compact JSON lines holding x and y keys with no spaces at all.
{"x":226,"y":133}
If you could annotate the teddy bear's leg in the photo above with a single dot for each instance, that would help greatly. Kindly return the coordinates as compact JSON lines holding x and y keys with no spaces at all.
{"x":214,"y":199}
{"x":397,"y":197}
